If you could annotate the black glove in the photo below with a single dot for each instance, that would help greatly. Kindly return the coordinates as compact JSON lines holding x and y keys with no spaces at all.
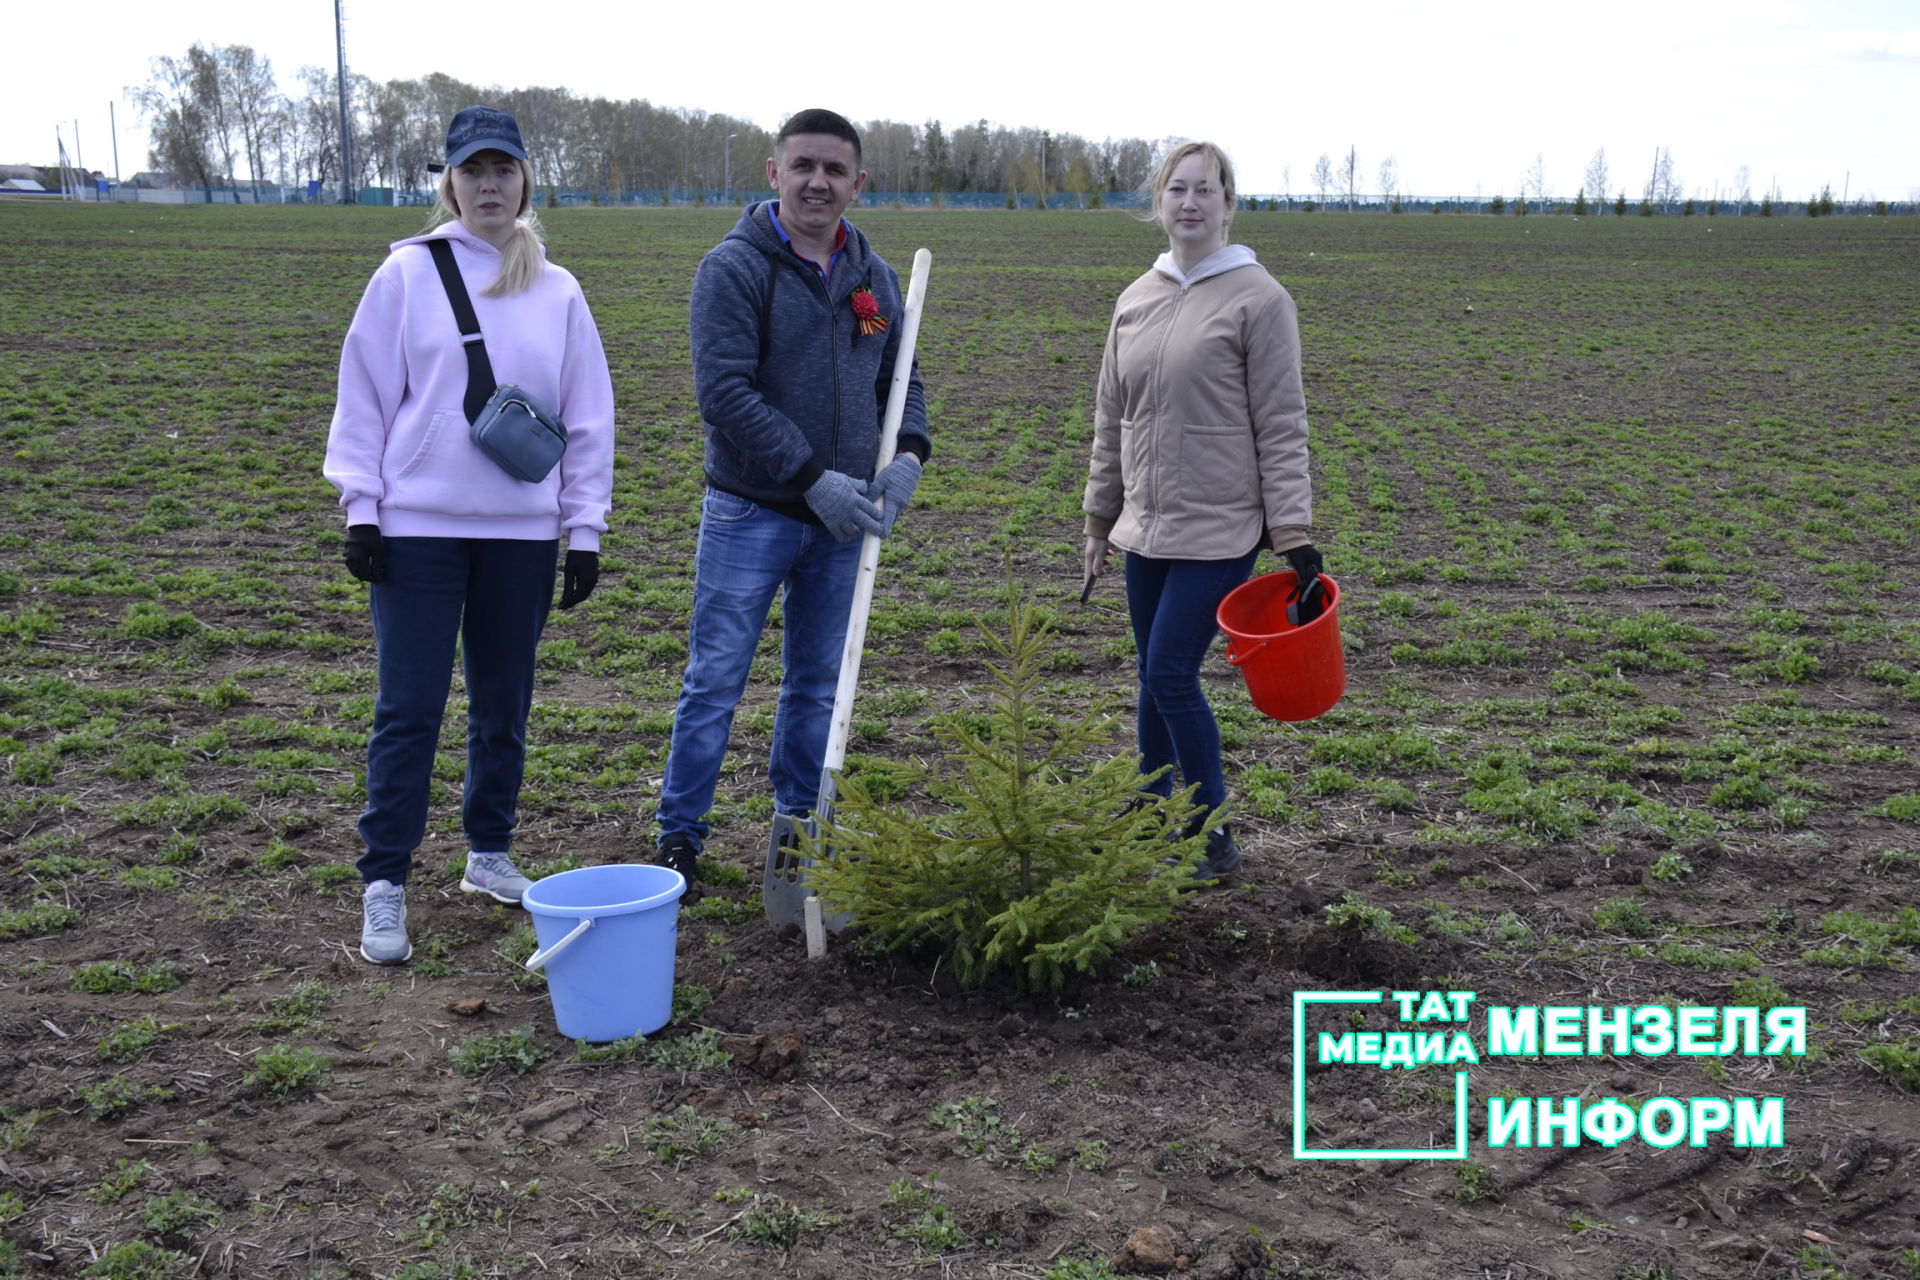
{"x":578,"y":579}
{"x":1308,"y":599}
{"x":366,"y":553}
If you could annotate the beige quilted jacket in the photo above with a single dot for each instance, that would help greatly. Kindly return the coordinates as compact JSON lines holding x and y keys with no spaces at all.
{"x":1200,"y":428}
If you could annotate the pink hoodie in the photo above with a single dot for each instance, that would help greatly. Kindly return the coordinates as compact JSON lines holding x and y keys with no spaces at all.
{"x":399,"y":450}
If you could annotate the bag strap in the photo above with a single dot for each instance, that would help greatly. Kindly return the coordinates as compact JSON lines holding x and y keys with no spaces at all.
{"x":480,"y":381}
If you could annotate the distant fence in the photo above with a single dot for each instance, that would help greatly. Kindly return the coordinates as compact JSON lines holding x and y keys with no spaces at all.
{"x":677,"y":197}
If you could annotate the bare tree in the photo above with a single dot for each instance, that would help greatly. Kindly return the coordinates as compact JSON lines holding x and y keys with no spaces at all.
{"x":1389,"y":180}
{"x":1670,"y":187}
{"x":1081,"y":180}
{"x":1596,"y":180}
{"x":315,"y":124}
{"x":252,"y":103}
{"x":1126,"y":163}
{"x":1350,"y":175}
{"x":1663,"y":187}
{"x":1535,"y":184}
{"x":1743,"y":187}
{"x":1322,"y":176}
{"x":382,"y":127}
{"x":177,"y":101}
{"x":211,"y":85}
{"x":887,"y":152}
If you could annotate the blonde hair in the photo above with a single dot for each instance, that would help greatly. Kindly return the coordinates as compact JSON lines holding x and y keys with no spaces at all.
{"x":1156,"y":182}
{"x":522,"y":259}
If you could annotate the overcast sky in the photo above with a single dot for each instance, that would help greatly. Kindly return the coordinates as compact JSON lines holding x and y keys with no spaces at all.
{"x":1463,"y":96}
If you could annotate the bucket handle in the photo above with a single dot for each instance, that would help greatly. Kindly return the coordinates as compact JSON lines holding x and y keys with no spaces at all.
{"x":538,"y":960}
{"x":1235,"y":659}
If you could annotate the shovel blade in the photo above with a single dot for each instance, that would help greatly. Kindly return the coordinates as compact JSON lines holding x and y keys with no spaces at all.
{"x":783,"y":885}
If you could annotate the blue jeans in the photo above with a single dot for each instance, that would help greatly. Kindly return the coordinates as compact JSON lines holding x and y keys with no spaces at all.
{"x":1173,"y":604}
{"x":491,"y":595}
{"x":746,"y":553}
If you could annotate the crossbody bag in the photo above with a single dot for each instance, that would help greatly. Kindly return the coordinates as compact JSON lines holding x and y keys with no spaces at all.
{"x":507,"y":424}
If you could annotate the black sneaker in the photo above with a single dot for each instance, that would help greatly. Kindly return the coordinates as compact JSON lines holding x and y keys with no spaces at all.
{"x":677,"y":853}
{"x":1223,"y":856}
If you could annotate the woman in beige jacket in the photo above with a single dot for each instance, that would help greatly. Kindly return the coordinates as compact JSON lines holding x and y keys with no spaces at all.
{"x":1199,"y":458}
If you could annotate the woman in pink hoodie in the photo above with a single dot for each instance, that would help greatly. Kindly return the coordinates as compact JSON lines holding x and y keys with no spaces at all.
{"x":1199,"y":461}
{"x":457,"y":549}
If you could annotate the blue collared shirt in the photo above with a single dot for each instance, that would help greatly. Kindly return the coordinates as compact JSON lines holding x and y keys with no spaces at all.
{"x":839,"y":242}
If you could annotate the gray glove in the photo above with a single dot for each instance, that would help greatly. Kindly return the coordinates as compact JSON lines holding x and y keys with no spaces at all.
{"x":895,"y":485}
{"x":841,"y":503}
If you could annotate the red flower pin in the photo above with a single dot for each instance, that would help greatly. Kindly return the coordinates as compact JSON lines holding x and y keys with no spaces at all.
{"x":866,"y":309}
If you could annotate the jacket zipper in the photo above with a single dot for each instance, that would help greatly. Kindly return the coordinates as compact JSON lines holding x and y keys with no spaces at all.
{"x":833,"y":349}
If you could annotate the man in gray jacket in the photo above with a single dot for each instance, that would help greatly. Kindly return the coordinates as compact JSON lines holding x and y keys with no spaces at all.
{"x":795,"y":324}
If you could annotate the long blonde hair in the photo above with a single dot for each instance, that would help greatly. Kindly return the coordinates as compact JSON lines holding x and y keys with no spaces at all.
{"x":523,"y":258}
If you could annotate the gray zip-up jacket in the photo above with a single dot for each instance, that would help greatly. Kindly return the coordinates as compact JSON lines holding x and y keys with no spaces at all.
{"x":788,"y":386}
{"x":1200,"y":424}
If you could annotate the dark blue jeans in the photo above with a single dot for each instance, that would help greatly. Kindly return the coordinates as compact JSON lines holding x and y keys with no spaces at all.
{"x":491,"y":595}
{"x":1172,"y":604}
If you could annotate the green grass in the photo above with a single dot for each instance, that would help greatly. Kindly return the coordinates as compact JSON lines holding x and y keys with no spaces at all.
{"x":516,"y":1050}
{"x":128,"y":1040}
{"x":1631,"y":655}
{"x":682,"y":1134}
{"x":697,"y":1052}
{"x":282,"y":1070}
{"x":778,"y":1225}
{"x":106,"y":977}
{"x":117,"y":1095}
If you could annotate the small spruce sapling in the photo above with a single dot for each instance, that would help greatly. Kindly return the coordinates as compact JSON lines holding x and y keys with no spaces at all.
{"x":1038,"y":859}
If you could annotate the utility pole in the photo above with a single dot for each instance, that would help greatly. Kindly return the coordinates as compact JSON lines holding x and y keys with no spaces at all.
{"x":726,"y":153}
{"x":346,"y":132}
{"x":113,"y":126}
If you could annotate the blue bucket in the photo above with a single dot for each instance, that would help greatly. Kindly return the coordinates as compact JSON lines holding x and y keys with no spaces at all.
{"x":607,"y":938}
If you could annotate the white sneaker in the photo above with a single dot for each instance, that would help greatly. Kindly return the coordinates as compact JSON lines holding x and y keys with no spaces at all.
{"x":383,"y":924}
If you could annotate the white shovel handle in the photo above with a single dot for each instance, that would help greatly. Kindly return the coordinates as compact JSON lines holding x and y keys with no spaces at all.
{"x":538,"y":960}
{"x":870,"y":548}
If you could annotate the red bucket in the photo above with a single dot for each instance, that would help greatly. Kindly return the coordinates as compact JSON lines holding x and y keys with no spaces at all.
{"x":1292,"y":673}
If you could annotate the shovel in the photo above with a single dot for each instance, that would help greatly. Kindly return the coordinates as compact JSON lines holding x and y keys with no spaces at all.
{"x":783,"y":886}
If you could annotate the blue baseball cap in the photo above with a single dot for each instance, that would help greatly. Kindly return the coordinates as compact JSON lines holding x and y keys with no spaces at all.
{"x":476,"y":129}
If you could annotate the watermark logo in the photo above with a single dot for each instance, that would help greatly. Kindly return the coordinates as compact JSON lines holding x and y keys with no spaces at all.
{"x":1440,"y":1033}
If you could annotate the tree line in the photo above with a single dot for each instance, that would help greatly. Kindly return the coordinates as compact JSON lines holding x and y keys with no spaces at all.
{"x":215,"y":111}
{"x":1340,"y":179}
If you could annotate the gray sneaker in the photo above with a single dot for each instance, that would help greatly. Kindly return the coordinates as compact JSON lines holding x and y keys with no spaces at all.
{"x":383,"y":924}
{"x":494,"y":875}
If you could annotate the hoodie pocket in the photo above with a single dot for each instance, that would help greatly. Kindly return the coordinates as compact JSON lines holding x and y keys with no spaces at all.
{"x":417,"y":457}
